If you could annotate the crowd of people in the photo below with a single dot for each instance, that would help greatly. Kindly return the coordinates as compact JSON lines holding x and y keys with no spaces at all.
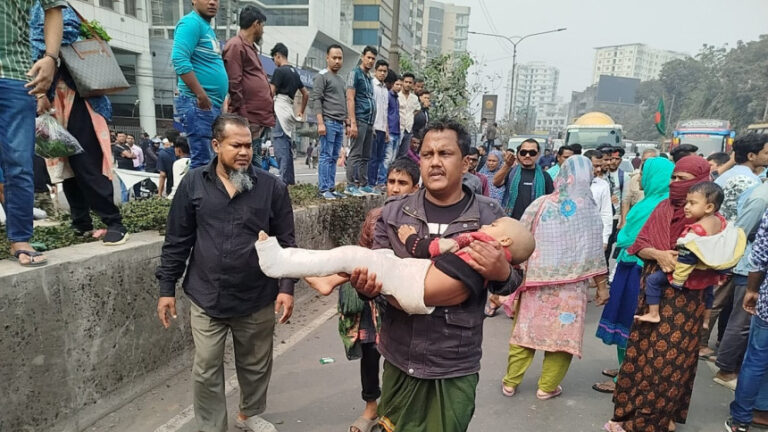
{"x":676,"y":249}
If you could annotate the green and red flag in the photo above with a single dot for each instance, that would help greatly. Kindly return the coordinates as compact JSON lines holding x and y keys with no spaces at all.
{"x":660,"y":119}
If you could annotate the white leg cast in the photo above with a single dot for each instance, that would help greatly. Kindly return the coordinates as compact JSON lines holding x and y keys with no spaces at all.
{"x":400,"y":278}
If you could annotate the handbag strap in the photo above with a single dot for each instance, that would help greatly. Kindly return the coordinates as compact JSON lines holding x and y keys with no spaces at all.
{"x":85,"y":22}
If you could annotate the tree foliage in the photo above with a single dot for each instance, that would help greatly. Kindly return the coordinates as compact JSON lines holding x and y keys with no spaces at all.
{"x":729,"y":84}
{"x":446,"y":78}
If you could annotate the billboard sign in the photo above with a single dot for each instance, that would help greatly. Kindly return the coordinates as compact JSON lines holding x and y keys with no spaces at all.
{"x":489,"y":107}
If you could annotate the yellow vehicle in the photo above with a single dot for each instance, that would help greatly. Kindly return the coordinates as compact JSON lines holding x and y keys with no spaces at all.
{"x":593,"y":129}
{"x":761,"y":128}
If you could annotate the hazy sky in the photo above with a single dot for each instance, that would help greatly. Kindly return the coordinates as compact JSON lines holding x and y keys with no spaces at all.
{"x":678,"y":25}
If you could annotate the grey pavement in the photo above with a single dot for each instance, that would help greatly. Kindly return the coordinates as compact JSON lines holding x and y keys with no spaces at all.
{"x":306,"y":395}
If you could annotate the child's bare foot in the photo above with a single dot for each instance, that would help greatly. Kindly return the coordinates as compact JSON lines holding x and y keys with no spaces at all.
{"x":263,"y":236}
{"x":404,"y":232}
{"x":651,"y":318}
{"x":320,"y":284}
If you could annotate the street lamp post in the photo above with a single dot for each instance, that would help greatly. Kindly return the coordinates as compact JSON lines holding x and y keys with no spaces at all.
{"x":515,"y":40}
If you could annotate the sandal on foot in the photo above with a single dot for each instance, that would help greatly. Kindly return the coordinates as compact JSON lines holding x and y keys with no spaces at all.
{"x":490,"y":310}
{"x":604,"y":387}
{"x":508,"y":391}
{"x":32,"y":255}
{"x":549,"y":395}
{"x":363,"y":424}
{"x":610,"y":373}
{"x":613,"y":426}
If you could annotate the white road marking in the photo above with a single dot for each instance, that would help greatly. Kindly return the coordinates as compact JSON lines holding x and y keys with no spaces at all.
{"x":188,"y":413}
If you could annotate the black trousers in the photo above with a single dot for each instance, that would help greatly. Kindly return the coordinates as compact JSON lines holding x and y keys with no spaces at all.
{"x":89,"y":189}
{"x":611,"y":242}
{"x":369,"y":372}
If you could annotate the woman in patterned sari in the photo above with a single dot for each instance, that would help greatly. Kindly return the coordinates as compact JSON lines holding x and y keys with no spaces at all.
{"x":654,"y":386}
{"x":552,"y":304}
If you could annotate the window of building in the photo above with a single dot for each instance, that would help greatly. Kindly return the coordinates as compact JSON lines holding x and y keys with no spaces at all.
{"x":129,"y":71}
{"x":164,"y":13}
{"x":130,"y":7}
{"x":110,"y":4}
{"x":287,"y":17}
{"x":365,"y":37}
{"x":366,"y":12}
{"x":284,"y":2}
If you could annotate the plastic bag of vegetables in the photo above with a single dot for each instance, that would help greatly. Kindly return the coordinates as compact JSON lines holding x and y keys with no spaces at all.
{"x":52,"y":140}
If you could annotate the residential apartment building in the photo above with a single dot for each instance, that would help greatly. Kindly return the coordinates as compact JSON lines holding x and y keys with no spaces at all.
{"x":126,"y":22}
{"x":551,"y":117}
{"x":631,"y":61}
{"x":533,"y":85}
{"x":445,"y":29}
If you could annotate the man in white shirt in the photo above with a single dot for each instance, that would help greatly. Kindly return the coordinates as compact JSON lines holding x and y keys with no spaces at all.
{"x":409,"y":106}
{"x":601,"y":191}
{"x":180,"y":166}
{"x":380,"y":122}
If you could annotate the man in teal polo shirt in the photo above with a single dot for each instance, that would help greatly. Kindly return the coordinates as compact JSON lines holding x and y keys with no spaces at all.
{"x":203,"y":82}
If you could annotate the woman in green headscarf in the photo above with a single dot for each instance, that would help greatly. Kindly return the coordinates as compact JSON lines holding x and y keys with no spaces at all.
{"x":618,"y":314}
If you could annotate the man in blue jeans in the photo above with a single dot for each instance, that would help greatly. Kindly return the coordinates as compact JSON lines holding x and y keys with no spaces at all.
{"x":361,"y":109}
{"x":17,"y":113}
{"x":750,"y":404}
{"x":394,"y":85}
{"x":329,"y":103}
{"x":380,"y":123}
{"x":203,"y":82}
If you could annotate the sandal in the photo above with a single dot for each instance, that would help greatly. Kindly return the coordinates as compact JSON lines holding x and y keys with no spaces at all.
{"x":363,"y":424}
{"x":613,"y":426}
{"x":541,"y":395}
{"x":604,"y":387}
{"x":32,"y":255}
{"x":610,"y":373}
{"x":490,"y":310}
{"x":508,"y":391}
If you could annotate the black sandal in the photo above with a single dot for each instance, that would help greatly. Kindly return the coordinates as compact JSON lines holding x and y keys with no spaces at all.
{"x":32,"y":255}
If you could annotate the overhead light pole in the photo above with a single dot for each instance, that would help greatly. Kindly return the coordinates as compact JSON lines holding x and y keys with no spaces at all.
{"x":515,"y":40}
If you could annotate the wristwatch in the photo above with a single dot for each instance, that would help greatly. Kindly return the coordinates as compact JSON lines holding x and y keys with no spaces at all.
{"x":56,"y":59}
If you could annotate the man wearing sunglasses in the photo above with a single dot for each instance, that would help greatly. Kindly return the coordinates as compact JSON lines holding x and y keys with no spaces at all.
{"x":524,"y":182}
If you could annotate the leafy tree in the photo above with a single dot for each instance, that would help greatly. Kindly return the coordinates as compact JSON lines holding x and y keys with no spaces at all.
{"x":729,"y":84}
{"x":447,"y":79}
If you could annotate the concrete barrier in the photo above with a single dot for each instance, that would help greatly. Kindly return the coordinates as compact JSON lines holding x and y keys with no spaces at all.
{"x":80,"y":336}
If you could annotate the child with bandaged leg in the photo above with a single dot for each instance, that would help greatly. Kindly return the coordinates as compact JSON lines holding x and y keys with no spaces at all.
{"x":410,"y":281}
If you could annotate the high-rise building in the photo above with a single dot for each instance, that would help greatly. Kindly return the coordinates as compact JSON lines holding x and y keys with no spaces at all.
{"x":534,"y":86}
{"x":445,"y":29}
{"x":631,"y":61}
{"x":372,"y":25}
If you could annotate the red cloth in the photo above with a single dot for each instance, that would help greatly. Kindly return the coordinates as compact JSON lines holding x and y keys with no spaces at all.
{"x":667,"y":222}
{"x":463,"y":240}
{"x":700,"y":231}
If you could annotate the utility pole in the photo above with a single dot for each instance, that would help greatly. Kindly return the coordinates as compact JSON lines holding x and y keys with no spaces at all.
{"x":515,"y":40}
{"x":394,"y":45}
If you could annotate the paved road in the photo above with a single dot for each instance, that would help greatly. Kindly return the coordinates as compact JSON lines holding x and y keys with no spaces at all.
{"x":308,"y":396}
